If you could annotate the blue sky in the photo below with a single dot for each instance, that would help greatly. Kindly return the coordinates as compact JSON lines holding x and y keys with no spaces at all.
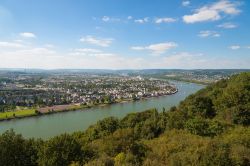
{"x":124,"y":34}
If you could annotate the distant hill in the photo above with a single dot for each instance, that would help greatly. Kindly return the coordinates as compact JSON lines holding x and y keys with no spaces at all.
{"x":210,"y":127}
{"x":128,"y":71}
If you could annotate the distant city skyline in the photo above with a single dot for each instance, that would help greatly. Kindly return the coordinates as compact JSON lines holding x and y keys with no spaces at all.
{"x":125,"y":34}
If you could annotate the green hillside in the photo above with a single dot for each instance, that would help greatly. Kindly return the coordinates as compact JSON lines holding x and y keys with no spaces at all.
{"x":210,"y":127}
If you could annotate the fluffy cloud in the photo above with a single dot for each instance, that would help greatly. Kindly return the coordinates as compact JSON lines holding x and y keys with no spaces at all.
{"x":235,"y":47}
{"x":185,"y":3}
{"x":165,"y":20}
{"x":27,"y":35}
{"x":142,"y":21}
{"x":213,"y":12}
{"x":103,"y":42}
{"x":204,"y":34}
{"x":158,"y":48}
{"x":227,"y":25}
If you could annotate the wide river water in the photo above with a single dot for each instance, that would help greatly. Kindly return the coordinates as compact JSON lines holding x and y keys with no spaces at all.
{"x":67,"y":122}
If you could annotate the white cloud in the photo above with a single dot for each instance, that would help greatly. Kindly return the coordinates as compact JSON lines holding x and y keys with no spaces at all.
{"x":185,"y":3}
{"x":161,"y":47}
{"x":34,"y":51}
{"x":129,"y":17}
{"x":10,"y":45}
{"x":213,"y":12}
{"x":103,"y":42}
{"x":28,"y":35}
{"x":84,"y":51}
{"x":139,"y":21}
{"x":142,"y":21}
{"x":110,"y":19}
{"x":227,"y":25}
{"x":235,"y":47}
{"x":105,"y":18}
{"x":248,"y":47}
{"x":202,"y":16}
{"x":138,"y":48}
{"x":88,"y":50}
{"x":156,"y":49}
{"x":204,"y":34}
{"x":165,"y":20}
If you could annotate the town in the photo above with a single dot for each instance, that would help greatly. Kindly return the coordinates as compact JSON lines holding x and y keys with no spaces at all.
{"x":40,"y":90}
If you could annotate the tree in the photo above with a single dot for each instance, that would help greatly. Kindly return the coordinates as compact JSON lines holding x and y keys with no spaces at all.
{"x":60,"y":151}
{"x":201,"y":106}
{"x":102,"y":128}
{"x":16,"y":151}
{"x":198,"y":126}
{"x":120,"y":159}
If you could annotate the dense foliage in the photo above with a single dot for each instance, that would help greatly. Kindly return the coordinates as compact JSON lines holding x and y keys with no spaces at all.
{"x":210,"y":127}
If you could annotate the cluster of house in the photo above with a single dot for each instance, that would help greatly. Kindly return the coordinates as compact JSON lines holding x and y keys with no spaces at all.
{"x":86,"y":90}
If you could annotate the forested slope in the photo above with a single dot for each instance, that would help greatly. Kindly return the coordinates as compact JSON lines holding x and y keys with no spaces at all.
{"x":210,"y":127}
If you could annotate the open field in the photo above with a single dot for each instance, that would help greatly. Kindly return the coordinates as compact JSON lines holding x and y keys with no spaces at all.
{"x":19,"y":113}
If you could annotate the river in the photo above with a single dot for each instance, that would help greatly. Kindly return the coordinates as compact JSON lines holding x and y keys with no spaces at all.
{"x":67,"y":122}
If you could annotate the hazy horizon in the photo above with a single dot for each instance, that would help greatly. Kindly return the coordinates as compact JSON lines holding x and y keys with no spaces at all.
{"x":1,"y":69}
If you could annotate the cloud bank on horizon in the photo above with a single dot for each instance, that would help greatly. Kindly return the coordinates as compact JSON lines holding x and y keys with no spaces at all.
{"x":125,"y":35}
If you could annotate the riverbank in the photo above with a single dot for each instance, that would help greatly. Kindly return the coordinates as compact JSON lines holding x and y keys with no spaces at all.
{"x":10,"y":115}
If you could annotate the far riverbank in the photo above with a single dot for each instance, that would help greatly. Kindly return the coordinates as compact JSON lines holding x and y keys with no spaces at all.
{"x":31,"y":112}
